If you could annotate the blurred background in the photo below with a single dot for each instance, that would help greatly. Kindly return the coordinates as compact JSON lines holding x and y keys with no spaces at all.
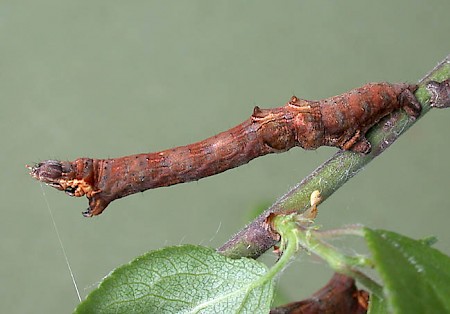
{"x":112,"y":78}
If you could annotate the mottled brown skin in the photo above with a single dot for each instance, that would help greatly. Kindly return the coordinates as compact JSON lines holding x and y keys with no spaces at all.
{"x":341,"y":121}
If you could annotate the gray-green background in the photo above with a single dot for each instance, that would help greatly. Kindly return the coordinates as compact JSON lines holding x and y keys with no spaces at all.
{"x":111,"y":78}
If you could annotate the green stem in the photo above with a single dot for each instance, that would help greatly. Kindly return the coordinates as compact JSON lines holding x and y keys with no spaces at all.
{"x":338,"y":261}
{"x":254,"y":240}
{"x":289,"y":235}
{"x":294,"y":235}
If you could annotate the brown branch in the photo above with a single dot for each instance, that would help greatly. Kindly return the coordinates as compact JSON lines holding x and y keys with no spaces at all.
{"x":255,"y":239}
{"x":339,"y":295}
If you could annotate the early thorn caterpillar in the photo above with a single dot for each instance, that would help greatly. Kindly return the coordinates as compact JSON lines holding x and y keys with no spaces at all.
{"x":341,"y":121}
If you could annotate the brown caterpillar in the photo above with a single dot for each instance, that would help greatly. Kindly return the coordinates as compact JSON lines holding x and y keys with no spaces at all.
{"x":341,"y":121}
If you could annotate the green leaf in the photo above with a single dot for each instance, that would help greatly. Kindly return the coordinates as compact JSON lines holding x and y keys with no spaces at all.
{"x":183,"y":279}
{"x":416,"y":276}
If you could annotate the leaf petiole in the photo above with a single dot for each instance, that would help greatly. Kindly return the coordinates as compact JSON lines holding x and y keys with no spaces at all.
{"x":296,"y":234}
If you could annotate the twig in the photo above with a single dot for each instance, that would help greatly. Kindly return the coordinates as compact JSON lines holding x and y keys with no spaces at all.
{"x":254,"y":239}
